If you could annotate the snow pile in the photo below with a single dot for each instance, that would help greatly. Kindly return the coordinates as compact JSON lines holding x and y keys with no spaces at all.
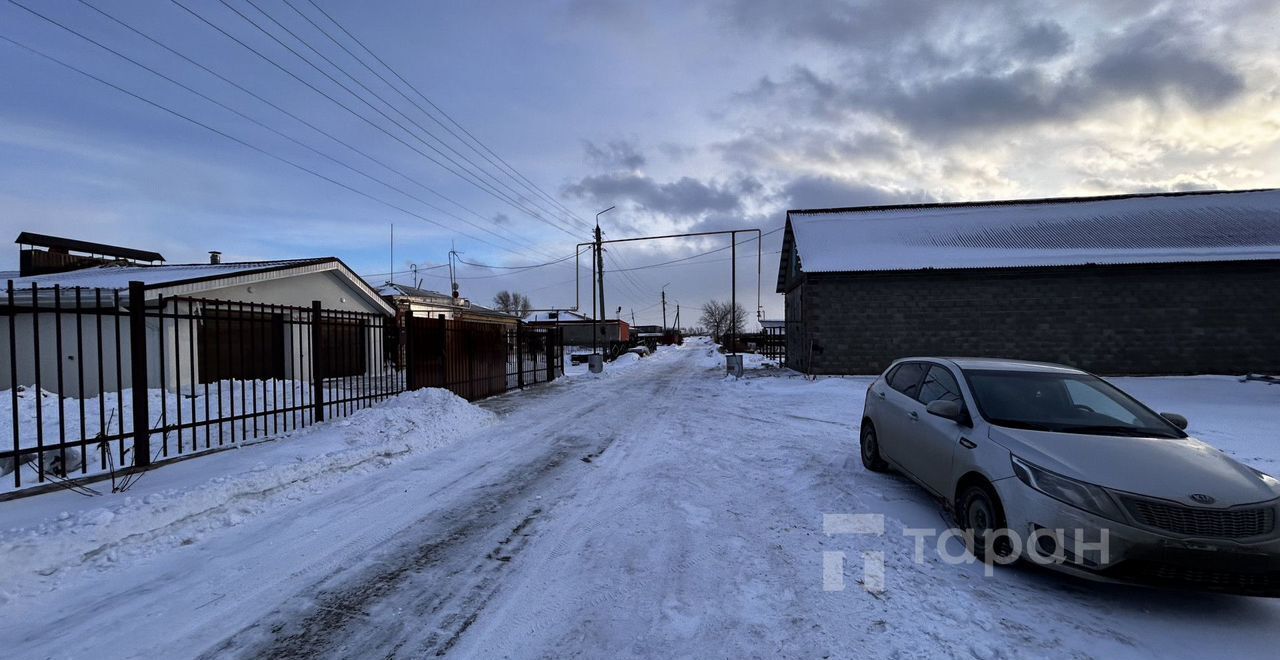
{"x":252,"y":479}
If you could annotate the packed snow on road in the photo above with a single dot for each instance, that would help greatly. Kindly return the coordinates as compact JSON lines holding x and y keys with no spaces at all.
{"x":655,"y":509}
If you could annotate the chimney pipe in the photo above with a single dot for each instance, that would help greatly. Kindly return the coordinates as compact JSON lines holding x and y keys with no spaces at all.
{"x":215,"y":257}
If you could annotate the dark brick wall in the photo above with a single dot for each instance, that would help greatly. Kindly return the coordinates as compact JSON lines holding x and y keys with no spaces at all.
{"x":1206,"y":318}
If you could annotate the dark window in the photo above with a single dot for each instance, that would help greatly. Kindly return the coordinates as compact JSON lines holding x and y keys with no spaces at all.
{"x":939,"y":385}
{"x":906,"y":378}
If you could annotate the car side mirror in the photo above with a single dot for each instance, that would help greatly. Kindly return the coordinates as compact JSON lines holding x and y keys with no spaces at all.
{"x":952,"y":410}
{"x":1175,"y":419}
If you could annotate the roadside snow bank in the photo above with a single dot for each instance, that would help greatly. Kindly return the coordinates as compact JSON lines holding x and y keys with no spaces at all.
{"x":158,"y":513}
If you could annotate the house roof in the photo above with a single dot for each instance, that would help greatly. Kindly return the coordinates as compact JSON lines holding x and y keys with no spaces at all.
{"x":392,"y":289}
{"x":429,"y":297}
{"x":1122,"y":229}
{"x":563,"y":316}
{"x":771,"y":323}
{"x":73,"y":245}
{"x":187,"y":279}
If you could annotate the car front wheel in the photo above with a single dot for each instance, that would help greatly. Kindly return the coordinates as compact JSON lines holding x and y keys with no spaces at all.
{"x":980,"y":514}
{"x":871,"y":450}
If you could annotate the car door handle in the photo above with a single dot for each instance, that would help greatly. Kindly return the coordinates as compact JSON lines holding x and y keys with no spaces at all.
{"x":915,"y":416}
{"x":967,"y":443}
{"x":880,"y":394}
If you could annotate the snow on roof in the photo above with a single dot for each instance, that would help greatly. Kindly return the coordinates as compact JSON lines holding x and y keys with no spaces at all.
{"x":771,"y":323}
{"x":118,"y":277}
{"x":393,"y":289}
{"x":562,"y":315}
{"x":183,"y":279}
{"x":1160,"y":228}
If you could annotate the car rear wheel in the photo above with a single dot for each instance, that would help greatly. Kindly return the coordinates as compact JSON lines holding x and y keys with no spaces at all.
{"x":871,"y":450}
{"x":980,"y":514}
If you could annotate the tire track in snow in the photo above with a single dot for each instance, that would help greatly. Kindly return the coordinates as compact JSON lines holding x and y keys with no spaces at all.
{"x":440,"y":581}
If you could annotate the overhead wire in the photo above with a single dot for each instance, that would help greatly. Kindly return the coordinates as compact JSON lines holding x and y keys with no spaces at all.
{"x":301,"y":120}
{"x":36,"y":51}
{"x":478,"y":183}
{"x":483,"y":147}
{"x":248,"y":118}
{"x":423,"y":111}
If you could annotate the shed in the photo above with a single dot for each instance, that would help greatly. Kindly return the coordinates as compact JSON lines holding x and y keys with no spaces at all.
{"x":1166,"y":283}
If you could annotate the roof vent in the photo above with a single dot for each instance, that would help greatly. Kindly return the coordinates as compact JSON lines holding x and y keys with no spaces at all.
{"x":215,"y":257}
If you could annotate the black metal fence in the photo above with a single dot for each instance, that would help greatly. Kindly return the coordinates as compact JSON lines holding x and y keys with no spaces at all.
{"x":109,"y":382}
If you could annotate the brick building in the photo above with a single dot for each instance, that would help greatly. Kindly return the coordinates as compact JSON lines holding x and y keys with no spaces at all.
{"x":1173,"y":283}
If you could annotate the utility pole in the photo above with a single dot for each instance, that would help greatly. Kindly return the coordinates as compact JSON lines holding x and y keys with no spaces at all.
{"x":733,"y":297}
{"x":677,"y":318}
{"x":664,"y":309}
{"x":600,"y":274}
{"x":599,"y":263}
{"x":633,"y":317}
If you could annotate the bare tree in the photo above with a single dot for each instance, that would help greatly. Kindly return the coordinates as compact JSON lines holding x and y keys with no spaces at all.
{"x":513,"y":303}
{"x":719,"y":317}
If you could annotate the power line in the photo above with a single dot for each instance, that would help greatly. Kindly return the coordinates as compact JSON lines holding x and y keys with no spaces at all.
{"x":422,"y":110}
{"x":393,"y":107}
{"x":158,"y":106}
{"x":582,"y":223}
{"x":703,"y":254}
{"x":481,"y":185}
{"x":295,"y":117}
{"x":247,"y":117}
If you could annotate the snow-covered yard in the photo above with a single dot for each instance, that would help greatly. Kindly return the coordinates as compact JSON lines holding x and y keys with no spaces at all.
{"x":656,"y":509}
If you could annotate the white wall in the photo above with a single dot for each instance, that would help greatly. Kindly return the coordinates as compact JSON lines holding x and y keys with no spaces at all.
{"x":176,"y":338}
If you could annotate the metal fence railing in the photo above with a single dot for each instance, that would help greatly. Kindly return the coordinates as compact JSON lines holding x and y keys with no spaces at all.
{"x":109,"y":382}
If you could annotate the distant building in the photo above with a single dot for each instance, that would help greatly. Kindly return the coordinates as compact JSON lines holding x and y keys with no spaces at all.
{"x":578,"y":328}
{"x":436,"y":305}
{"x":1174,"y":283}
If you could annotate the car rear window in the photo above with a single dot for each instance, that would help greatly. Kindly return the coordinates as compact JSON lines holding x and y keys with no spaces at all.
{"x":906,"y":378}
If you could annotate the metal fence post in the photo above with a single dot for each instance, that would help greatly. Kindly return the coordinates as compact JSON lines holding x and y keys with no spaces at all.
{"x":410,"y":375}
{"x":317,"y":379}
{"x":138,"y":370}
{"x":520,"y":357}
{"x":555,"y":339}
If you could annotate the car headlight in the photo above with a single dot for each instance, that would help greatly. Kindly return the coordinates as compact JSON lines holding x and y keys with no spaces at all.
{"x":1079,"y":494}
{"x":1270,"y":481}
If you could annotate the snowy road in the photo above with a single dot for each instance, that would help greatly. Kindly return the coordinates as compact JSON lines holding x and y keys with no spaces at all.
{"x":656,"y":511}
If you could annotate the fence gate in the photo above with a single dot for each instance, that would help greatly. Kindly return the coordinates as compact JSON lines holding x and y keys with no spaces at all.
{"x":476,"y":360}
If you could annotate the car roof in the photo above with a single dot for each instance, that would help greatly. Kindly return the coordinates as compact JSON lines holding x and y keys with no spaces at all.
{"x":1001,"y":364}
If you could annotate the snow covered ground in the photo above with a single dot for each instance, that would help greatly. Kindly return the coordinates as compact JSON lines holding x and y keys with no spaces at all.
{"x":658,"y":509}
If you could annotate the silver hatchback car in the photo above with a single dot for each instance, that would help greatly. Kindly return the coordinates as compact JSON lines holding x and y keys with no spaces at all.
{"x":1048,"y":463}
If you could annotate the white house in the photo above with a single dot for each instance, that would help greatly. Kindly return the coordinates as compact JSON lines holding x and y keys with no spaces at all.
{"x":205,"y":322}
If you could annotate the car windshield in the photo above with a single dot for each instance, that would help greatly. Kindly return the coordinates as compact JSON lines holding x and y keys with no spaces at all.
{"x":1063,"y":402}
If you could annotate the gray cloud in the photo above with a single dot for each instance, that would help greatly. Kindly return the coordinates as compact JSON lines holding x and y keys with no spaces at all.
{"x":614,"y":155}
{"x":1041,"y":40}
{"x":818,"y":192}
{"x":683,"y":197}
{"x":1003,"y":72}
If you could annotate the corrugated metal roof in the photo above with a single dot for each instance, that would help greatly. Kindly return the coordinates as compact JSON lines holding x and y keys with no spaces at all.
{"x":1166,"y":228}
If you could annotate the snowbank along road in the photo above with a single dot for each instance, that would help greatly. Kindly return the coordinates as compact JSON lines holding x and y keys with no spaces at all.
{"x":655,"y":510}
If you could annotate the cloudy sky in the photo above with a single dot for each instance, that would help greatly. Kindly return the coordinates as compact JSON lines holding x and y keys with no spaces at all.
{"x":688,"y":116}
